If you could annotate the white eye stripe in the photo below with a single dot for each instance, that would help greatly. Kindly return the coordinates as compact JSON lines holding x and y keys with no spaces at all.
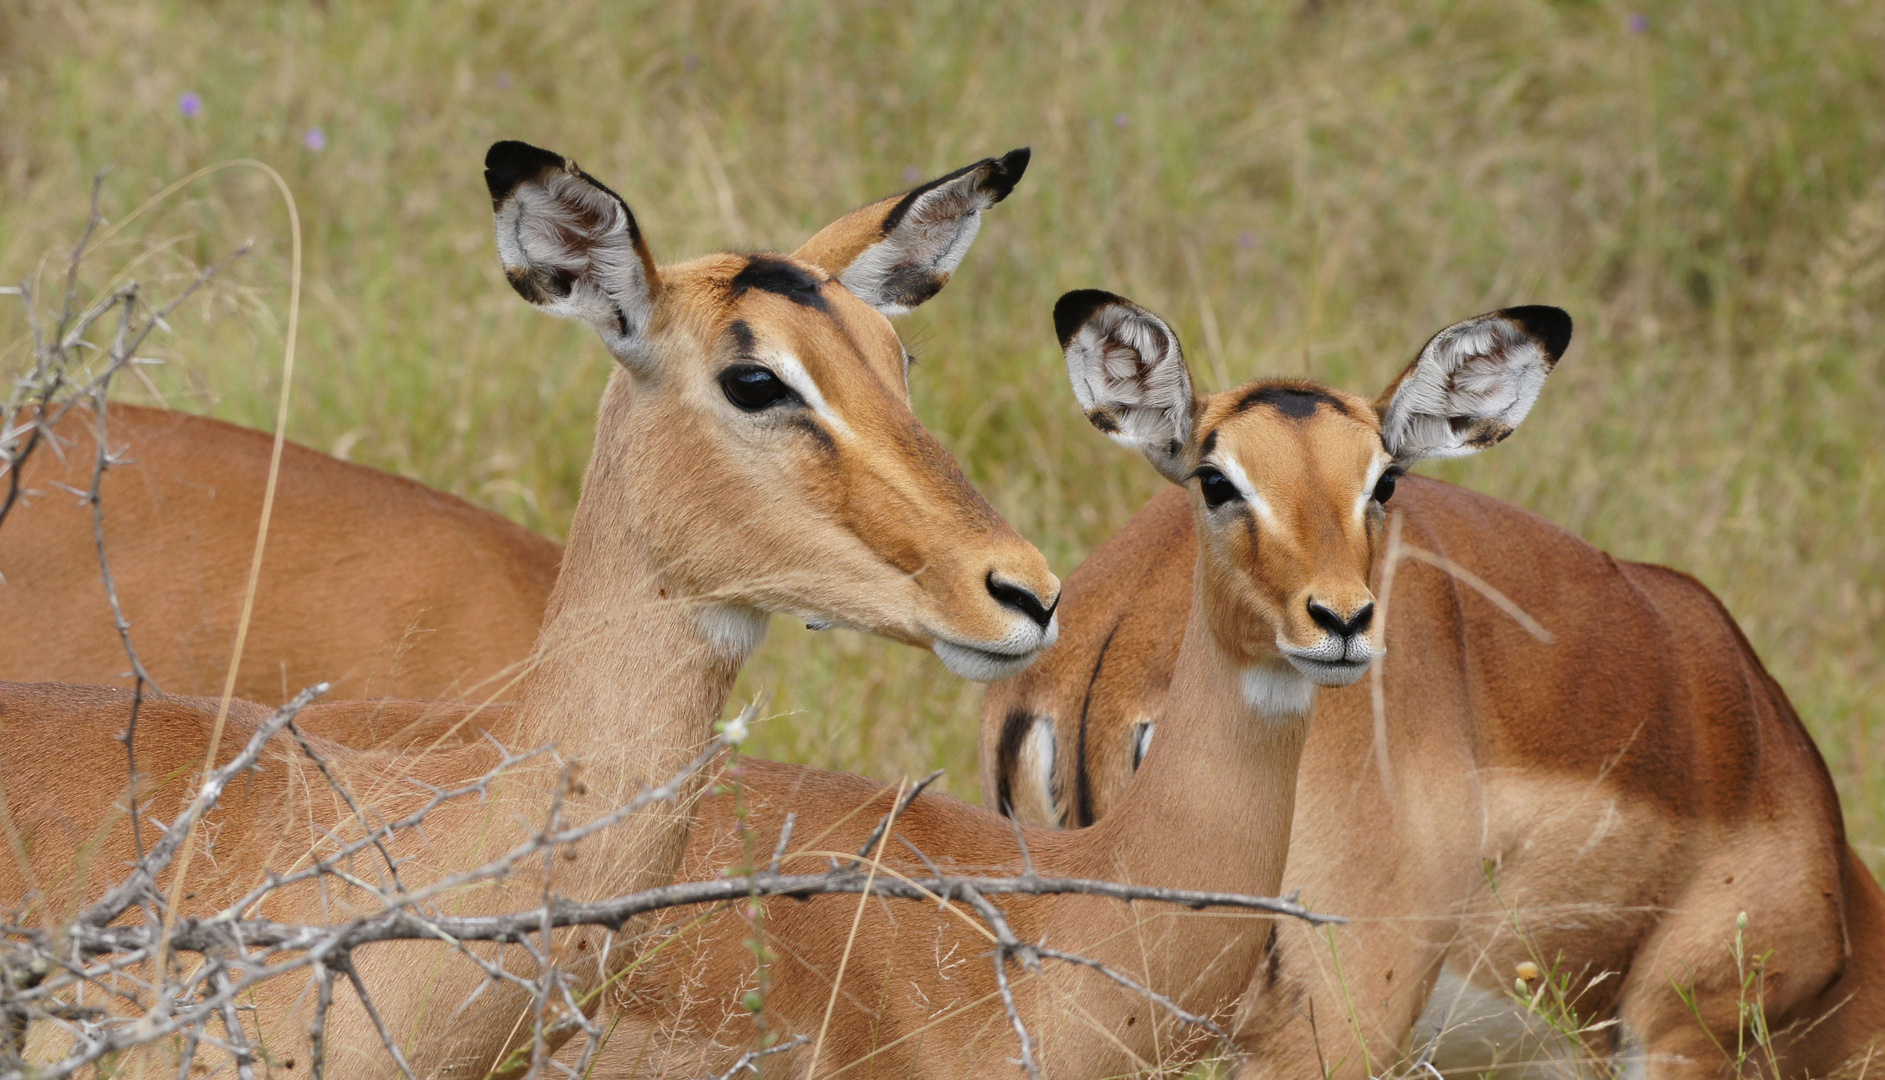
{"x":793,"y":373}
{"x":1380,"y":466}
{"x":1236,"y":475}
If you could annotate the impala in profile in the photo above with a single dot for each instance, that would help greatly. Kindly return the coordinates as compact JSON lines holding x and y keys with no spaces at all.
{"x":755,"y":452}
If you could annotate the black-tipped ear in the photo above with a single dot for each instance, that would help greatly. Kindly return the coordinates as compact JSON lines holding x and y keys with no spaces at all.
{"x":898,"y":252}
{"x":998,"y":178}
{"x":1129,"y":375}
{"x":1550,"y":325}
{"x":1473,"y":383}
{"x":510,"y":163}
{"x":571,"y":246}
{"x":1008,"y":171}
{"x":1073,"y":309}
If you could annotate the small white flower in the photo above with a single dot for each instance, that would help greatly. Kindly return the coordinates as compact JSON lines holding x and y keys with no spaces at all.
{"x":734,"y":731}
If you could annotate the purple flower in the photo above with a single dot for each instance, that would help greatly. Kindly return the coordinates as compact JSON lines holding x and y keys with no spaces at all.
{"x":1639,"y":24}
{"x":1246,"y":240}
{"x":1120,"y":120}
{"x":912,"y":174}
{"x":503,"y":81}
{"x":190,"y":104}
{"x":691,"y":62}
{"x":315,"y":139}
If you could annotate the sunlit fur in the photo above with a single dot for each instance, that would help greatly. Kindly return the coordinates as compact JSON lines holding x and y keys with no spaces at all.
{"x":379,"y":585}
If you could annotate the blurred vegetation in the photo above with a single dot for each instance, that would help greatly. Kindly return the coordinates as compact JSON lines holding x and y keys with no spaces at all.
{"x":1303,"y":189}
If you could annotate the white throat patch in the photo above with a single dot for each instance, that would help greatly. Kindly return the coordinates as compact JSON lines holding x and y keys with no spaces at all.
{"x":734,"y":629}
{"x":1276,"y":689}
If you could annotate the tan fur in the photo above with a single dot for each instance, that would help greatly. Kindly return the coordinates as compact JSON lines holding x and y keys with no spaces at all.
{"x":919,"y":996}
{"x":379,"y":585}
{"x":695,"y":519}
{"x":1630,"y":789}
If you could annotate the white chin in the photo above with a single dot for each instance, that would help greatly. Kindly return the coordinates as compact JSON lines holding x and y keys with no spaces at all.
{"x":1325,"y":673}
{"x":981,"y":665}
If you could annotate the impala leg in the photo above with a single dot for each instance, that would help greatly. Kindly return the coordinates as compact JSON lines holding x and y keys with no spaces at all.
{"x":1840,"y":1034}
{"x":1723,"y":973}
{"x":1336,"y":1011}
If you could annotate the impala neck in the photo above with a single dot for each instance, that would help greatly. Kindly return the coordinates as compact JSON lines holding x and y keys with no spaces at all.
{"x":1211,"y":806}
{"x":631,"y":671}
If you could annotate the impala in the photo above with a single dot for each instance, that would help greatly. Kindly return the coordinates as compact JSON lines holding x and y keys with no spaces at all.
{"x":1280,"y":480}
{"x":1599,"y":809}
{"x":375,"y":584}
{"x":755,"y":452}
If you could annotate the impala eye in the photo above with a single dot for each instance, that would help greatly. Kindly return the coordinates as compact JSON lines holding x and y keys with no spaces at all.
{"x":753,"y":387}
{"x":1384,"y":487}
{"x":1216,"y":487}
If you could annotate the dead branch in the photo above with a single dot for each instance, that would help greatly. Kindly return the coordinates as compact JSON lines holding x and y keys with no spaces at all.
{"x":40,"y":974}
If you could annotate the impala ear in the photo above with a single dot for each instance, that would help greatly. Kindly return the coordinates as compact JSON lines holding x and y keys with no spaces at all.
{"x":1129,"y":374}
{"x":1473,"y":383}
{"x":898,"y":252}
{"x":571,"y":246}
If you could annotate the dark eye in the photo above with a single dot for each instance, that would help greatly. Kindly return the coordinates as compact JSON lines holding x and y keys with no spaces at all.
{"x":753,"y":387}
{"x":1384,"y":487}
{"x":1217,"y":489}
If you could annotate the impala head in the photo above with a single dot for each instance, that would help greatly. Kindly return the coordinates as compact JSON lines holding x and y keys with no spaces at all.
{"x":1289,"y":478}
{"x":757,"y":434}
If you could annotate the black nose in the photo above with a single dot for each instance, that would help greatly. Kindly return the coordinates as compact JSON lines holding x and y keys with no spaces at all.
{"x":1334,"y":624}
{"x":1022,"y":600}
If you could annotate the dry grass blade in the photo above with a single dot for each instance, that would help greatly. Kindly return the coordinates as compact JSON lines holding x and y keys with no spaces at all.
{"x":1480,"y":586}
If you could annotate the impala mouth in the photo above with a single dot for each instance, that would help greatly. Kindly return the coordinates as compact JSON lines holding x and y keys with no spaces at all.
{"x":992,"y":662}
{"x":1329,"y":672}
{"x":1333,"y":661}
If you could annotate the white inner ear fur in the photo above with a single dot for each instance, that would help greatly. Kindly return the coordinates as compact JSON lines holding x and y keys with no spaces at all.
{"x":1126,"y":367}
{"x":1486,"y":369}
{"x":789,"y":368}
{"x":565,"y":224}
{"x":933,"y":235}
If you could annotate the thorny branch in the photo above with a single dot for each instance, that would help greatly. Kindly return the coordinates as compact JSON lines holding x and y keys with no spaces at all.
{"x":70,"y":370}
{"x":43,"y":973}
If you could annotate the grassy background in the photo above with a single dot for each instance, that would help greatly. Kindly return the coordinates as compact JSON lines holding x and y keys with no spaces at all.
{"x":1302,"y":190}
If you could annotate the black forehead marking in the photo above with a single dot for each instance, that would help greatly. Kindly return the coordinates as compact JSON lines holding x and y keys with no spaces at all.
{"x":781,"y":278}
{"x":1210,"y":444}
{"x":742,"y":335}
{"x":1294,"y":401}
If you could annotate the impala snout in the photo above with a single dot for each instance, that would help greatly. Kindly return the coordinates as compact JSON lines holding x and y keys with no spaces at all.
{"x":1335,"y":646}
{"x":1022,"y":600}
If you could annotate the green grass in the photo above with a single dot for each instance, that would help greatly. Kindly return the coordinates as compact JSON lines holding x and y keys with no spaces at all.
{"x":1302,"y":190}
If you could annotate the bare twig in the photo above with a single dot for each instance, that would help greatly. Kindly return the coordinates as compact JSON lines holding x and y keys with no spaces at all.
{"x":877,"y":833}
{"x":202,"y":935}
{"x":144,"y":877}
{"x":747,"y":1060}
{"x":1146,"y":992}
